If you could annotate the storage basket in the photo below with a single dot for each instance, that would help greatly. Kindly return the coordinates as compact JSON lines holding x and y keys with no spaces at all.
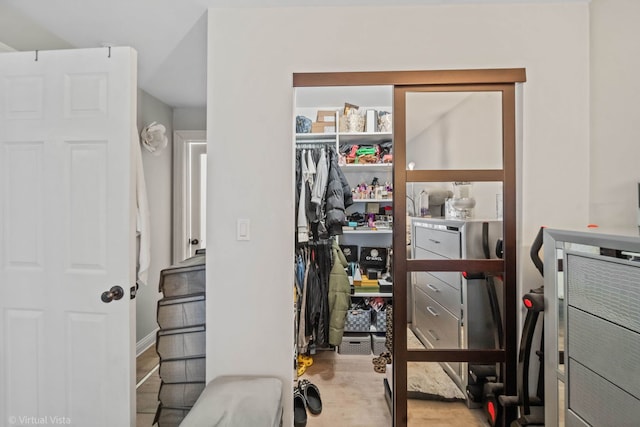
{"x":358,"y":320}
{"x":378,"y":343}
{"x":380,"y":320}
{"x":180,"y":395}
{"x":181,"y":343}
{"x":355,"y":344}
{"x":183,"y":370}
{"x":181,"y":312}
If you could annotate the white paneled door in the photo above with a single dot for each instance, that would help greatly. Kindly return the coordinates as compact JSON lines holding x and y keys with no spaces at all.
{"x":67,"y":237}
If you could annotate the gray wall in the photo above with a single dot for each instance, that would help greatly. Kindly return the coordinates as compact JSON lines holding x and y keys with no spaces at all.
{"x":157,"y":173}
{"x":190,"y":118}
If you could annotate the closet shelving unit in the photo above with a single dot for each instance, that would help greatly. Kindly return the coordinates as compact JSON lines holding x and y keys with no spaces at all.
{"x":355,"y":174}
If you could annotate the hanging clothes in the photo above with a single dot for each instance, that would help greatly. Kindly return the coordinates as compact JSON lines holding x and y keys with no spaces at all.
{"x":339,"y":298}
{"x":303,"y":223}
{"x":143,"y":226}
{"x":303,"y":338}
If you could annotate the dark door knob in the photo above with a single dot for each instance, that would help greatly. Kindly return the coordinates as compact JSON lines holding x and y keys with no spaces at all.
{"x":115,"y":293}
{"x":195,"y":241}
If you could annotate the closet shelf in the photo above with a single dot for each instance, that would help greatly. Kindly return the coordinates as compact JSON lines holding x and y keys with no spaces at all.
{"x":365,"y":137}
{"x":373,"y":200}
{"x":372,"y":167}
{"x":380,"y":231}
{"x":372,"y":294}
{"x":321,"y":137}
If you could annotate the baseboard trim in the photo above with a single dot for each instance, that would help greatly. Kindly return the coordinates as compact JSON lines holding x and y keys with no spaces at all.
{"x":146,"y":342}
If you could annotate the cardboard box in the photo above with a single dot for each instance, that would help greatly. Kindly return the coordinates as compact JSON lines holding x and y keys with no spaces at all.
{"x":326,"y":116}
{"x":322,"y":127}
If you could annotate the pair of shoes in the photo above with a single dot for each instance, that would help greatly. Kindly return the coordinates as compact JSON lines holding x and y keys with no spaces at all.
{"x":301,"y":369}
{"x":305,"y":360}
{"x":299,"y":410}
{"x":383,"y":359}
{"x":311,"y":396}
{"x":381,"y":369}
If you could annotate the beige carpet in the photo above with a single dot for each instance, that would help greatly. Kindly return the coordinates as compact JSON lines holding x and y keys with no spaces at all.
{"x":427,"y":380}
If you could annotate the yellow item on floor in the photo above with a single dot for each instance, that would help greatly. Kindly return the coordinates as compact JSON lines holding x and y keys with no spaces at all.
{"x":305,"y":360}
{"x":301,"y":369}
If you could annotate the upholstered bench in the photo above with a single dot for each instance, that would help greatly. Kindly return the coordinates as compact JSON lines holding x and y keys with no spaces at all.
{"x":238,"y":401}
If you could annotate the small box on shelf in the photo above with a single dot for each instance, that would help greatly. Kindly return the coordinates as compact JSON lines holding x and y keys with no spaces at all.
{"x":323,"y":127}
{"x":326,"y":116}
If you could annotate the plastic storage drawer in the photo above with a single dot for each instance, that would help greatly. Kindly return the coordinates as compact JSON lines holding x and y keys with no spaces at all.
{"x":181,"y":312}
{"x":183,"y":370}
{"x":181,"y":343}
{"x":355,"y":344}
{"x":169,"y":417}
{"x":180,"y":395}
{"x":184,"y":278}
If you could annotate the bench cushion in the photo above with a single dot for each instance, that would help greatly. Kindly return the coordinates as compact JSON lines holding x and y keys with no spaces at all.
{"x":233,"y":401}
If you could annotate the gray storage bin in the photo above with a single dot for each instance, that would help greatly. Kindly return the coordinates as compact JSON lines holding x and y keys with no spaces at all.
{"x":169,"y":417}
{"x":183,"y":370}
{"x":378,"y":343}
{"x":380,"y":320}
{"x":184,"y":278}
{"x":181,"y":312}
{"x":358,"y":320}
{"x":181,"y":343}
{"x":180,"y":395}
{"x":355,"y":344}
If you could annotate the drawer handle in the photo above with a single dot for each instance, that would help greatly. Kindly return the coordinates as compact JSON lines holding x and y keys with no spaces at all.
{"x":432,"y":311}
{"x":437,"y":242}
{"x":433,"y":288}
{"x":433,"y":334}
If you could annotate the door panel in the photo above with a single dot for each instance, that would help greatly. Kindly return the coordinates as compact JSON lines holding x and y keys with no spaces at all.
{"x":67,"y":227}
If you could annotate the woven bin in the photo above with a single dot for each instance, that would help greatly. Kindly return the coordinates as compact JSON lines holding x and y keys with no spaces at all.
{"x":355,"y":344}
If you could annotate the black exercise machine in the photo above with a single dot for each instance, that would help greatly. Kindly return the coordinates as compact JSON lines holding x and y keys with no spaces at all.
{"x":487,"y":386}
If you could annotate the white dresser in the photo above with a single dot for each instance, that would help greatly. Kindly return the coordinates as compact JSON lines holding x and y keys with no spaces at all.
{"x":448,"y":311}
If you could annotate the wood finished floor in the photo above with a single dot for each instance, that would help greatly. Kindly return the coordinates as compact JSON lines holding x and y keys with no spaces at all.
{"x":352,"y":396}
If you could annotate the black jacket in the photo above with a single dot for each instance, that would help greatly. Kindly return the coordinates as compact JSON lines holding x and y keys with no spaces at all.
{"x":338,"y":197}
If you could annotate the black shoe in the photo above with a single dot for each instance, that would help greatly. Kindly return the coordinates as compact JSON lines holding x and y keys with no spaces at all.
{"x":299,"y":410}
{"x":311,"y":396}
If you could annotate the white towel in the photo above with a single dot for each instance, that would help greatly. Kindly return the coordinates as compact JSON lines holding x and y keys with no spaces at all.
{"x":142,"y":214}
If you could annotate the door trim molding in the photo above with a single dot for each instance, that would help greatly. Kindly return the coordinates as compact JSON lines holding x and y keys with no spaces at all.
{"x":146,"y":342}
{"x":181,"y":140}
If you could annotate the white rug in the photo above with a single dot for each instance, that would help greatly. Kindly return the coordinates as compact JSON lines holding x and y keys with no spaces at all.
{"x":427,"y":380}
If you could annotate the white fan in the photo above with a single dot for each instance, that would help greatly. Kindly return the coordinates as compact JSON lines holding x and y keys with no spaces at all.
{"x":154,"y":138}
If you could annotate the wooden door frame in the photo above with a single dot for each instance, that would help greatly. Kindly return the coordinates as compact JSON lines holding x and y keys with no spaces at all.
{"x":503,"y":80}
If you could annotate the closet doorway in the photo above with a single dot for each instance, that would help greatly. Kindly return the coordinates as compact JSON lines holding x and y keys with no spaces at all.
{"x":408,"y":264}
{"x":190,"y":192}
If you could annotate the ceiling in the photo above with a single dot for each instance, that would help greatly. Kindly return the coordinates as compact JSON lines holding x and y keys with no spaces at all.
{"x":169,"y":35}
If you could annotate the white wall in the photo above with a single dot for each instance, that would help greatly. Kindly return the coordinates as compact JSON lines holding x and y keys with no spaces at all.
{"x":158,"y":178}
{"x":249,"y":283}
{"x":615,"y":116}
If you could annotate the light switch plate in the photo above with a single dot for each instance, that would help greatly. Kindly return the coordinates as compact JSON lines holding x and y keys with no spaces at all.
{"x":243,"y":229}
